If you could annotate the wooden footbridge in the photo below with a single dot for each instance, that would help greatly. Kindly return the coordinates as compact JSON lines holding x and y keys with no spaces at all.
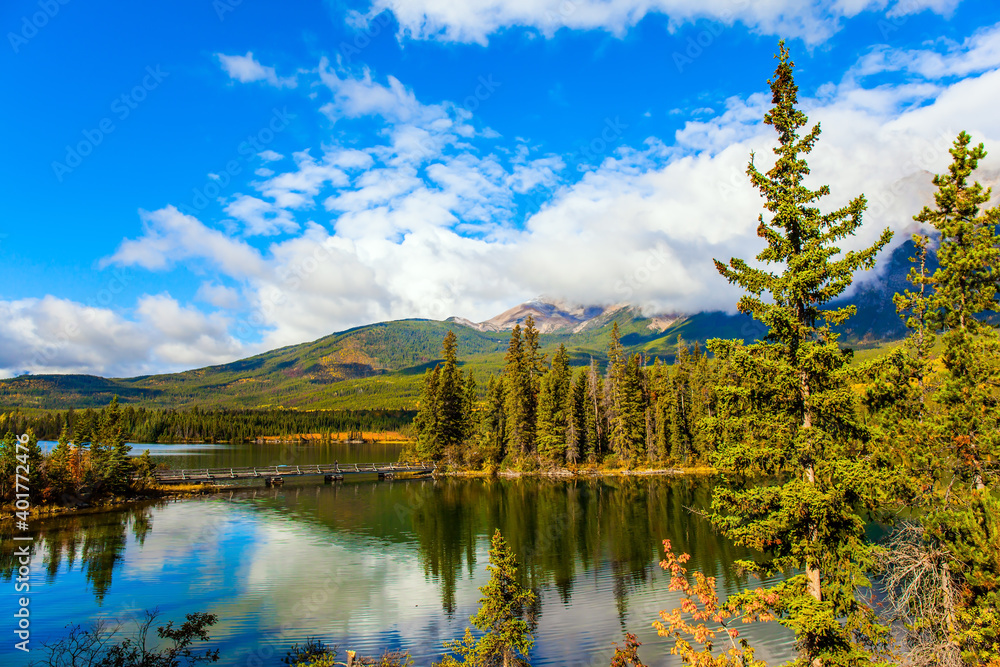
{"x":272,"y":475}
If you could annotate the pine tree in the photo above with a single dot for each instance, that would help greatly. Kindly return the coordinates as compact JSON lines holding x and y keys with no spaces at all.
{"x":965,"y":285}
{"x":786,"y":408}
{"x":427,"y":421}
{"x":109,"y":458}
{"x":626,"y":421}
{"x":951,"y":442}
{"x":519,"y":410}
{"x":59,"y":466}
{"x":596,"y":421}
{"x":577,"y":442}
{"x":680,"y":405}
{"x":451,"y":430}
{"x":553,"y":403}
{"x":493,"y":436}
{"x":470,"y":414}
{"x":507,"y":636}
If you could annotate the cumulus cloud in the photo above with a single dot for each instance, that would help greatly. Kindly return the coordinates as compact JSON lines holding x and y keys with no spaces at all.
{"x":270,"y":156}
{"x":218,"y":295}
{"x":978,"y":53}
{"x":53,"y":335}
{"x":171,"y":236}
{"x":434,"y":234}
{"x":477,"y":20}
{"x":260,"y":217}
{"x":422,"y":222}
{"x":246,"y":69}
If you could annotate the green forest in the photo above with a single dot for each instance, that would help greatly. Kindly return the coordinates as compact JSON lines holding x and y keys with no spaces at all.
{"x":146,"y":425}
{"x":812,"y":445}
{"x":91,"y":461}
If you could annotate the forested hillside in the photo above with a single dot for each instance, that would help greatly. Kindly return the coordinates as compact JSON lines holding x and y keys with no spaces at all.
{"x":379,"y":366}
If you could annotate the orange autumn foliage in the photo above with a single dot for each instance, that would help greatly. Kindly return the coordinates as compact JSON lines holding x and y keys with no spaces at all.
{"x":702,"y":617}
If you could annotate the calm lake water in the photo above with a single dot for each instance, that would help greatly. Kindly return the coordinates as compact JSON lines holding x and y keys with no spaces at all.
{"x":371,"y":565}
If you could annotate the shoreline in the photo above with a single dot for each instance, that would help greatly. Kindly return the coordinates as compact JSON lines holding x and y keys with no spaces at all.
{"x":569,"y":473}
{"x":156,"y":494}
{"x":181,"y":492}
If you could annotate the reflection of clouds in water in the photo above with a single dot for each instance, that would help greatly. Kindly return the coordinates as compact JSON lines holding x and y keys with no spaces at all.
{"x":338,"y":563}
{"x":190,"y":532}
{"x":197,"y":449}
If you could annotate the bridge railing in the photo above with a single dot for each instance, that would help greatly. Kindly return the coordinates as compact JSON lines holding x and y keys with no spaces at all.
{"x":249,"y":472}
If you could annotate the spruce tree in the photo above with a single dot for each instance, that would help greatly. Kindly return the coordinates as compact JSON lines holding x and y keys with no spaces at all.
{"x":553,"y":403}
{"x":493,"y":430}
{"x":948,"y":429}
{"x":427,"y":421}
{"x":787,"y":412}
{"x":109,"y":452}
{"x":965,"y":286}
{"x":596,"y":421}
{"x":626,"y":421}
{"x":507,"y":636}
{"x":59,"y":466}
{"x":680,"y":405}
{"x":518,"y":398}
{"x":450,"y":401}
{"x":470,"y":414}
{"x":577,"y":443}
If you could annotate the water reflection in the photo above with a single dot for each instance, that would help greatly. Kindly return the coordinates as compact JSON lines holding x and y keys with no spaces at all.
{"x":96,"y":541}
{"x":392,"y":564}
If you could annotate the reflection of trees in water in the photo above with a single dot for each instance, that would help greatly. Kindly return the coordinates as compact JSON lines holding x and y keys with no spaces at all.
{"x":559,"y":528}
{"x":97,"y":541}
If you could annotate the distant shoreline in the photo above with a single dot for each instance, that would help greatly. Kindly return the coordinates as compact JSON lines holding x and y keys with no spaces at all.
{"x":181,"y":492}
{"x":568,"y":473}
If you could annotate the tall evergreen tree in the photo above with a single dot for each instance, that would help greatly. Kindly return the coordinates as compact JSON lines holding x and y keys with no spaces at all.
{"x":451,"y":401}
{"x":427,"y":421}
{"x":787,"y":410}
{"x":470,"y":414}
{"x":519,"y":410}
{"x":627,"y":420}
{"x":681,"y":439}
{"x":109,"y":458}
{"x":596,"y":421}
{"x":507,"y":636}
{"x":59,"y":466}
{"x":493,"y":438}
{"x":577,"y":443}
{"x":553,"y":403}
{"x":951,"y":443}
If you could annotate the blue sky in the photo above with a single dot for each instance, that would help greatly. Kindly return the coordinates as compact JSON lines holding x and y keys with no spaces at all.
{"x":191,"y":182}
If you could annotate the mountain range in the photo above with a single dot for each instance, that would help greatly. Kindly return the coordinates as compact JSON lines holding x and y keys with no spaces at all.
{"x":381,"y":365}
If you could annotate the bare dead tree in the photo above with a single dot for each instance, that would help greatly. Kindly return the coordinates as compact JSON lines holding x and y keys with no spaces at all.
{"x":921,"y":595}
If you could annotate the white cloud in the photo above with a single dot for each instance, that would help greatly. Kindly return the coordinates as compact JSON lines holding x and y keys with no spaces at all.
{"x":260,"y":217}
{"x":170,"y":236}
{"x":477,"y":20}
{"x":270,"y":156}
{"x":425,"y":223}
{"x":246,"y":69}
{"x":978,"y":53}
{"x":52,"y":335}
{"x":218,"y":295}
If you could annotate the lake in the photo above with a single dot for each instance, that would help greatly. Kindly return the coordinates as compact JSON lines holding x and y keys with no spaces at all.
{"x":371,"y":564}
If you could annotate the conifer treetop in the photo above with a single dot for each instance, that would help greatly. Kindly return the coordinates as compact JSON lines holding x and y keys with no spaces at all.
{"x":800,"y":238}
